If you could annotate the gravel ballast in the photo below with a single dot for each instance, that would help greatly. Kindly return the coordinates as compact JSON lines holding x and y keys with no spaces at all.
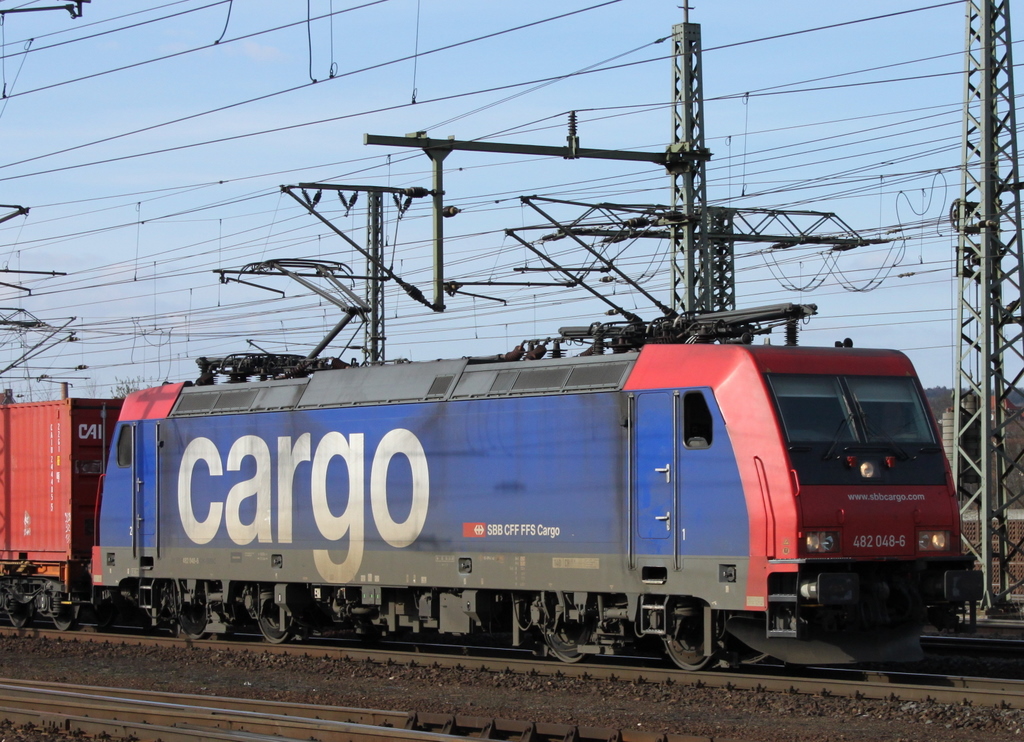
{"x":704,"y":712}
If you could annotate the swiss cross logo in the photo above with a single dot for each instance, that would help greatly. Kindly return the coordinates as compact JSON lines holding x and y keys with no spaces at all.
{"x":474,"y":530}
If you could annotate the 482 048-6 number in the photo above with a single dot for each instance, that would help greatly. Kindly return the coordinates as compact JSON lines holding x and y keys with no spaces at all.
{"x":878,"y":541}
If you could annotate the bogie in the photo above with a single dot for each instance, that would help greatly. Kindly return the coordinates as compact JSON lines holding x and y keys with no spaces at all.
{"x":23,"y":600}
{"x":566,"y":626}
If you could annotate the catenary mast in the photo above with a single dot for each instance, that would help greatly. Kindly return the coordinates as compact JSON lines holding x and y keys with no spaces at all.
{"x":987,"y":458}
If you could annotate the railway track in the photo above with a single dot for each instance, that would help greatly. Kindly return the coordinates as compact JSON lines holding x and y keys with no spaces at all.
{"x":822,"y":682}
{"x":173,"y":717}
{"x":974,"y":646}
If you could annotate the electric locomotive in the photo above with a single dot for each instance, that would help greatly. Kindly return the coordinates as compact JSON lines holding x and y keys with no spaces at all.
{"x":716,"y":500}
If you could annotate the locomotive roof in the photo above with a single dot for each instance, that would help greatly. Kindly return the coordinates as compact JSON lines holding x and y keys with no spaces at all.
{"x":656,"y":366}
{"x":409,"y":382}
{"x":659,"y":366}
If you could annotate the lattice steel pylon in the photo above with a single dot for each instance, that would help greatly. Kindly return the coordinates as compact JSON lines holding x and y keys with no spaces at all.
{"x":695,"y":280}
{"x":987,"y":458}
{"x":373,"y":328}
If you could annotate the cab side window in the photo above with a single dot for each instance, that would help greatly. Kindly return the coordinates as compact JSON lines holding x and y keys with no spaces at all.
{"x":698,"y":429}
{"x":124,"y":446}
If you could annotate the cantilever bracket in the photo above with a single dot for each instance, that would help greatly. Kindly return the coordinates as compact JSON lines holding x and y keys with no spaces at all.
{"x":74,"y":8}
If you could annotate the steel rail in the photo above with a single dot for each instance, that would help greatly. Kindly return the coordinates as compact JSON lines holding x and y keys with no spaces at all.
{"x":148,"y":715}
{"x":974,"y":646}
{"x":79,"y":709}
{"x":12,"y":687}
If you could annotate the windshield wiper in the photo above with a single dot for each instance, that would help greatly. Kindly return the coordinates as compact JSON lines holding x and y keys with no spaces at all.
{"x":846,"y":422}
{"x":871,"y":429}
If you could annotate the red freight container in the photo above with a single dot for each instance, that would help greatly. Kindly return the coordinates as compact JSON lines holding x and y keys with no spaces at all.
{"x":51,"y":457}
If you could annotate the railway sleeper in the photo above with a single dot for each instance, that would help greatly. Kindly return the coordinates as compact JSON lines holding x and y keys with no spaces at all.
{"x":506,"y":729}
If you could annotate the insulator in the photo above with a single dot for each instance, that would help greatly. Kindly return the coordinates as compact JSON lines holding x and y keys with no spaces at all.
{"x":639,"y":221}
{"x":348,"y":203}
{"x":536,"y":353}
{"x":515,"y":354}
{"x":621,"y":345}
{"x":416,"y":192}
{"x":450,"y":211}
{"x":573,"y":139}
{"x":792,"y":329}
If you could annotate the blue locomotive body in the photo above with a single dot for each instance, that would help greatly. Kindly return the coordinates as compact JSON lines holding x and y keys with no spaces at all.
{"x":360,"y":479}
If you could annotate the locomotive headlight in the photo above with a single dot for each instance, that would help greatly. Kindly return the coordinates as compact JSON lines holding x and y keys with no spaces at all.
{"x":933,"y":540}
{"x":822,"y":542}
{"x":868,"y":470}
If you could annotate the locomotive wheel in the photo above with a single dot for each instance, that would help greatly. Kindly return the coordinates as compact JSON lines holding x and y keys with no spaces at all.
{"x":684,"y":637}
{"x":685,"y":656}
{"x":564,"y":642}
{"x":104,"y":612}
{"x":192,"y":621}
{"x":271,"y":626}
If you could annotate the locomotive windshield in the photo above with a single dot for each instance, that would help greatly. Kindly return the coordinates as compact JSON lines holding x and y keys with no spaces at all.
{"x":832,"y":421}
{"x":891,"y":409}
{"x":865,"y":409}
{"x":814,"y":408}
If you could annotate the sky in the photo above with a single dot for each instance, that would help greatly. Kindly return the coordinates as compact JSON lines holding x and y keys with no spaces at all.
{"x":150,"y":141}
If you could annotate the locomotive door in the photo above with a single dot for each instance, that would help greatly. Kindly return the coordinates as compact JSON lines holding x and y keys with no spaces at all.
{"x":654,"y":472}
{"x":144,"y":476}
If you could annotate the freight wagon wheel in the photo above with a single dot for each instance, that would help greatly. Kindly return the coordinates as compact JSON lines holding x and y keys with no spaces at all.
{"x":66,"y":619}
{"x":274,"y":628}
{"x":54,"y":605}
{"x":20,"y":614}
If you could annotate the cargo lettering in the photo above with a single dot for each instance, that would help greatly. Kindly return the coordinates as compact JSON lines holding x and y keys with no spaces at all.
{"x":333,"y":526}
